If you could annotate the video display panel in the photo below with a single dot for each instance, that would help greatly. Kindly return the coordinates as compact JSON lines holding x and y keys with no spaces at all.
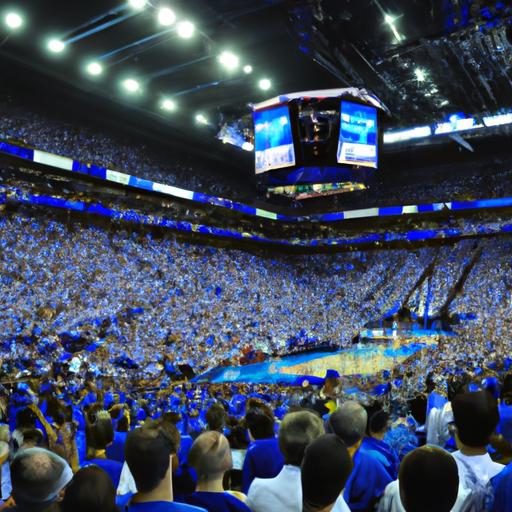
{"x":273,"y":139}
{"x":358,"y":135}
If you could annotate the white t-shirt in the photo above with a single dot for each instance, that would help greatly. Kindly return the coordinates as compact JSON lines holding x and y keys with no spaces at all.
{"x":283,"y":493}
{"x":482,"y":466}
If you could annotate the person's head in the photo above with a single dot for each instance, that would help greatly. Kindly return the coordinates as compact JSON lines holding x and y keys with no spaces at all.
{"x":476,"y":417}
{"x":296,"y":432}
{"x":210,"y":456}
{"x":100,"y":431}
{"x":90,"y":489}
{"x":32,"y":437}
{"x":332,"y":380}
{"x":428,"y":480}
{"x":38,"y":477}
{"x":326,"y":467}
{"x":148,"y":453}
{"x":378,"y":421}
{"x":349,"y":424}
{"x":123,"y":423}
{"x":259,"y":423}
{"x":216,"y":417}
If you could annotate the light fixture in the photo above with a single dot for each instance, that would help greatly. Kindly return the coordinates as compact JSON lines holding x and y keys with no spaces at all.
{"x":13,"y":20}
{"x":166,"y":16}
{"x":201,"y":119}
{"x":168,"y":105}
{"x":248,"y":69}
{"x":56,"y":46}
{"x":131,"y":85}
{"x":248,"y":146}
{"x":389,"y":19}
{"x":229,"y":60}
{"x":186,"y":29}
{"x":94,"y":68}
{"x":265,"y":84}
{"x":421,"y":74}
{"x":138,"y":4}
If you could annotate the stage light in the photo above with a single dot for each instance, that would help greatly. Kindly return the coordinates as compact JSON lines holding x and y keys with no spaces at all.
{"x":131,"y":85}
{"x":166,"y":16}
{"x":13,"y":20}
{"x":201,"y":119}
{"x":248,"y":146}
{"x":229,"y":60}
{"x":265,"y":84}
{"x":56,"y":46}
{"x":168,"y":105}
{"x":94,"y":68}
{"x":247,"y":69}
{"x":421,"y":74}
{"x":389,"y":19}
{"x":186,"y":29}
{"x":138,"y":4}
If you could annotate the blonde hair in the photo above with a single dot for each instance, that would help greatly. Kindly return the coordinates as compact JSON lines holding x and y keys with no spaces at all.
{"x":210,"y":455}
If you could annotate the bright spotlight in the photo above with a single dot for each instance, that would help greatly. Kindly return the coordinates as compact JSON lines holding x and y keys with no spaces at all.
{"x":168,"y":105}
{"x":13,"y":20}
{"x":229,"y":60}
{"x":247,"y":69}
{"x":94,"y":68}
{"x":265,"y":84}
{"x":389,"y":19}
{"x":131,"y":85}
{"x":138,"y":4}
{"x":248,"y":146}
{"x":186,"y":29}
{"x":56,"y":46}
{"x":166,"y":16}
{"x":201,"y":119}
{"x":421,"y":74}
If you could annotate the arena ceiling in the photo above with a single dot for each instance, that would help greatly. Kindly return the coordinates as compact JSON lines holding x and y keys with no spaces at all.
{"x":425,"y":59}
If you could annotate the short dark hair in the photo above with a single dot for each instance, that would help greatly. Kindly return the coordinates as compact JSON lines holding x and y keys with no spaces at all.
{"x":428,"y":480}
{"x":378,"y":418}
{"x":476,"y":417}
{"x":325,"y":470}
{"x":147,"y":451}
{"x":296,"y":432}
{"x":259,"y":423}
{"x":216,"y":417}
{"x":90,"y":489}
{"x":123,"y":424}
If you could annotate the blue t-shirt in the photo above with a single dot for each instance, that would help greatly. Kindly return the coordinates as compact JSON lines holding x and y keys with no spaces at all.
{"x":262,"y":460}
{"x":384,"y":453}
{"x":163,"y":506}
{"x":217,"y":502}
{"x":366,"y":483}
{"x":116,"y":450}
{"x":112,"y":467}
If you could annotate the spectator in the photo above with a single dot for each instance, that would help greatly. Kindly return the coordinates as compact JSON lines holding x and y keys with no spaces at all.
{"x":325,"y":469}
{"x":428,"y":480}
{"x":39,"y":478}
{"x":116,"y":450}
{"x":263,"y":458}
{"x":149,"y":454}
{"x":284,"y":492}
{"x":90,"y":490}
{"x":100,"y":435}
{"x":369,"y":478}
{"x":476,"y":418}
{"x":210,"y":456}
{"x":374,"y":445}
{"x":216,"y":418}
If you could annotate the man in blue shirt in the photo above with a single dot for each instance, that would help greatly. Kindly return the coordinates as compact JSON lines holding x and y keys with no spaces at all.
{"x":149,"y":452}
{"x":369,"y":478}
{"x":374,"y":444}
{"x":263,"y":458}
